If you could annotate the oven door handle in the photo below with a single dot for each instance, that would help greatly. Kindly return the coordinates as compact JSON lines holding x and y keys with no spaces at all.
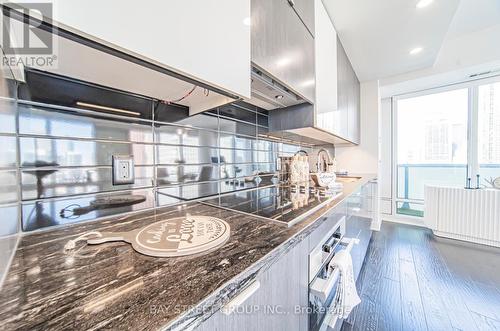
{"x":322,"y":288}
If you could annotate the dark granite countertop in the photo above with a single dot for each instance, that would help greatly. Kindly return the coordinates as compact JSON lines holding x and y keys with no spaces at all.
{"x":111,"y":286}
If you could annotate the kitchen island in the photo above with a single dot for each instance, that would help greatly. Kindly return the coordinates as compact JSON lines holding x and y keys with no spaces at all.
{"x":111,"y":286}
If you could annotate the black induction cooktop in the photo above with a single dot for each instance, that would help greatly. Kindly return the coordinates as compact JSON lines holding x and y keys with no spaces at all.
{"x":281,"y":203}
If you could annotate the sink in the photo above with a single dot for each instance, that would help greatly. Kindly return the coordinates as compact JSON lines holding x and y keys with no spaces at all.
{"x":347,"y":179}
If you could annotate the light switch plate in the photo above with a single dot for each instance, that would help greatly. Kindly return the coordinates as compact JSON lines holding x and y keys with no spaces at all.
{"x":123,"y":169}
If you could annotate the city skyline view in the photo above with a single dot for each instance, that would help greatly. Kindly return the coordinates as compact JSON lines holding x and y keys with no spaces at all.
{"x":433,"y":128}
{"x":489,"y":124}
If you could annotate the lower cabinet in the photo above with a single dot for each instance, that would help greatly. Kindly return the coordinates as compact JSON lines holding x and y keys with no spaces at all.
{"x":277,"y":303}
{"x":358,"y":227}
{"x":363,"y":201}
{"x":280,"y":299}
{"x":360,"y":214}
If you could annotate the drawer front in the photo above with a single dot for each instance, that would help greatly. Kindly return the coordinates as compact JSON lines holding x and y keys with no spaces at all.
{"x":359,"y":227}
{"x":282,"y":288}
{"x":329,"y":221}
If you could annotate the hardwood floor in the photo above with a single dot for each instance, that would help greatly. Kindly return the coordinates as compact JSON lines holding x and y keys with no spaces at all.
{"x":412,"y":280}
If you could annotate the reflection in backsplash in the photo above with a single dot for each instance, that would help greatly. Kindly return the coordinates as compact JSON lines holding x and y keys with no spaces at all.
{"x":9,"y":188}
{"x":186,"y":136}
{"x":74,"y":153}
{"x":62,"y":122}
{"x":9,"y":192}
{"x":8,"y":153}
{"x":8,"y":108}
{"x":170,"y":175}
{"x":64,"y":174}
{"x":44,"y":213}
{"x":167,"y":154}
{"x":63,"y":182}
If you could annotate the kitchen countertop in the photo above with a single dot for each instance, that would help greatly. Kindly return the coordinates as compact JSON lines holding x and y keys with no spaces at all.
{"x":112,"y":286}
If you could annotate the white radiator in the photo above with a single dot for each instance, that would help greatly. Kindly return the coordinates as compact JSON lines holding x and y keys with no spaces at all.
{"x":470,"y":215}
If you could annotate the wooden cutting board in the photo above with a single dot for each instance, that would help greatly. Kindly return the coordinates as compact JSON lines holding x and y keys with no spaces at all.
{"x":173,"y":237}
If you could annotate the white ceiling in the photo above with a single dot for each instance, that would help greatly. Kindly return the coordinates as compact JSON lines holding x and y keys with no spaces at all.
{"x":473,"y":16}
{"x":470,"y":51}
{"x":378,"y":35}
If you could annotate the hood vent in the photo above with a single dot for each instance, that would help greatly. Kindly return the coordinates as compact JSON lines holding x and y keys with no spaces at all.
{"x":290,"y":117}
{"x":297,"y":123}
{"x":269,"y":94}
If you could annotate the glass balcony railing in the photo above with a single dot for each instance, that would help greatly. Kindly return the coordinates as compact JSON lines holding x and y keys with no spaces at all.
{"x":410,"y":208}
{"x":488,"y":171}
{"x":412,"y":179}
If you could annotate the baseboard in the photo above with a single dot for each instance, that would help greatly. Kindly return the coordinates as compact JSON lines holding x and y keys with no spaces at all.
{"x":404,"y":220}
{"x":474,"y":240}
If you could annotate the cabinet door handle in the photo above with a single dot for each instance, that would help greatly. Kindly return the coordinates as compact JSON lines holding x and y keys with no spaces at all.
{"x":240,"y":298}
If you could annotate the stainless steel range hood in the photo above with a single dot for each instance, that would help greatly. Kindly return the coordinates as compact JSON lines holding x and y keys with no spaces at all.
{"x":290,"y":117}
{"x":297,"y":123}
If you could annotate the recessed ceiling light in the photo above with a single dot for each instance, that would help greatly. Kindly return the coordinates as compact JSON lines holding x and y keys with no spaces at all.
{"x":279,"y":96}
{"x":416,"y":50}
{"x":247,"y":21}
{"x":424,"y":3}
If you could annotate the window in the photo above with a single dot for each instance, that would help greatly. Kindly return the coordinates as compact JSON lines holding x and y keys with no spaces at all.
{"x":445,"y":138}
{"x":488,"y":132}
{"x":431,"y":145}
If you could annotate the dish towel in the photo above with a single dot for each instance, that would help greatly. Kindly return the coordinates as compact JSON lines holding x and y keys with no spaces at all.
{"x":347,"y":297}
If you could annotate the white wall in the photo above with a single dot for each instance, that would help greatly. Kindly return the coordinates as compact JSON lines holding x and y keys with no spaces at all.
{"x":9,"y":224}
{"x":364,"y":157}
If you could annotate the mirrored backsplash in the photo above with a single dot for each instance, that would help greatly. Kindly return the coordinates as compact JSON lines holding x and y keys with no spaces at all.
{"x":56,"y":160}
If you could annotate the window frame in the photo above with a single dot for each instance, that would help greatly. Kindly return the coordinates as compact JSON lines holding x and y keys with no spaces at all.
{"x":472,"y":134}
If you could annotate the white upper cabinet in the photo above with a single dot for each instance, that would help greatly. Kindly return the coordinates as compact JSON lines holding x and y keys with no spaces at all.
{"x":208,"y":40}
{"x":348,"y":98}
{"x":326,"y":70}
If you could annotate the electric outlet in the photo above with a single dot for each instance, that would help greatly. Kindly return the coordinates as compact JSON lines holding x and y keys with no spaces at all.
{"x":123,"y":169}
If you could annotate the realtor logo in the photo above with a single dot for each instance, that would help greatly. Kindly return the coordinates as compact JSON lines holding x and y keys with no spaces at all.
{"x":24,"y":41}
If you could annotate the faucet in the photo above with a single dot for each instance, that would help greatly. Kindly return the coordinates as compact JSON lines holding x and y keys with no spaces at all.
{"x":323,"y":164}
